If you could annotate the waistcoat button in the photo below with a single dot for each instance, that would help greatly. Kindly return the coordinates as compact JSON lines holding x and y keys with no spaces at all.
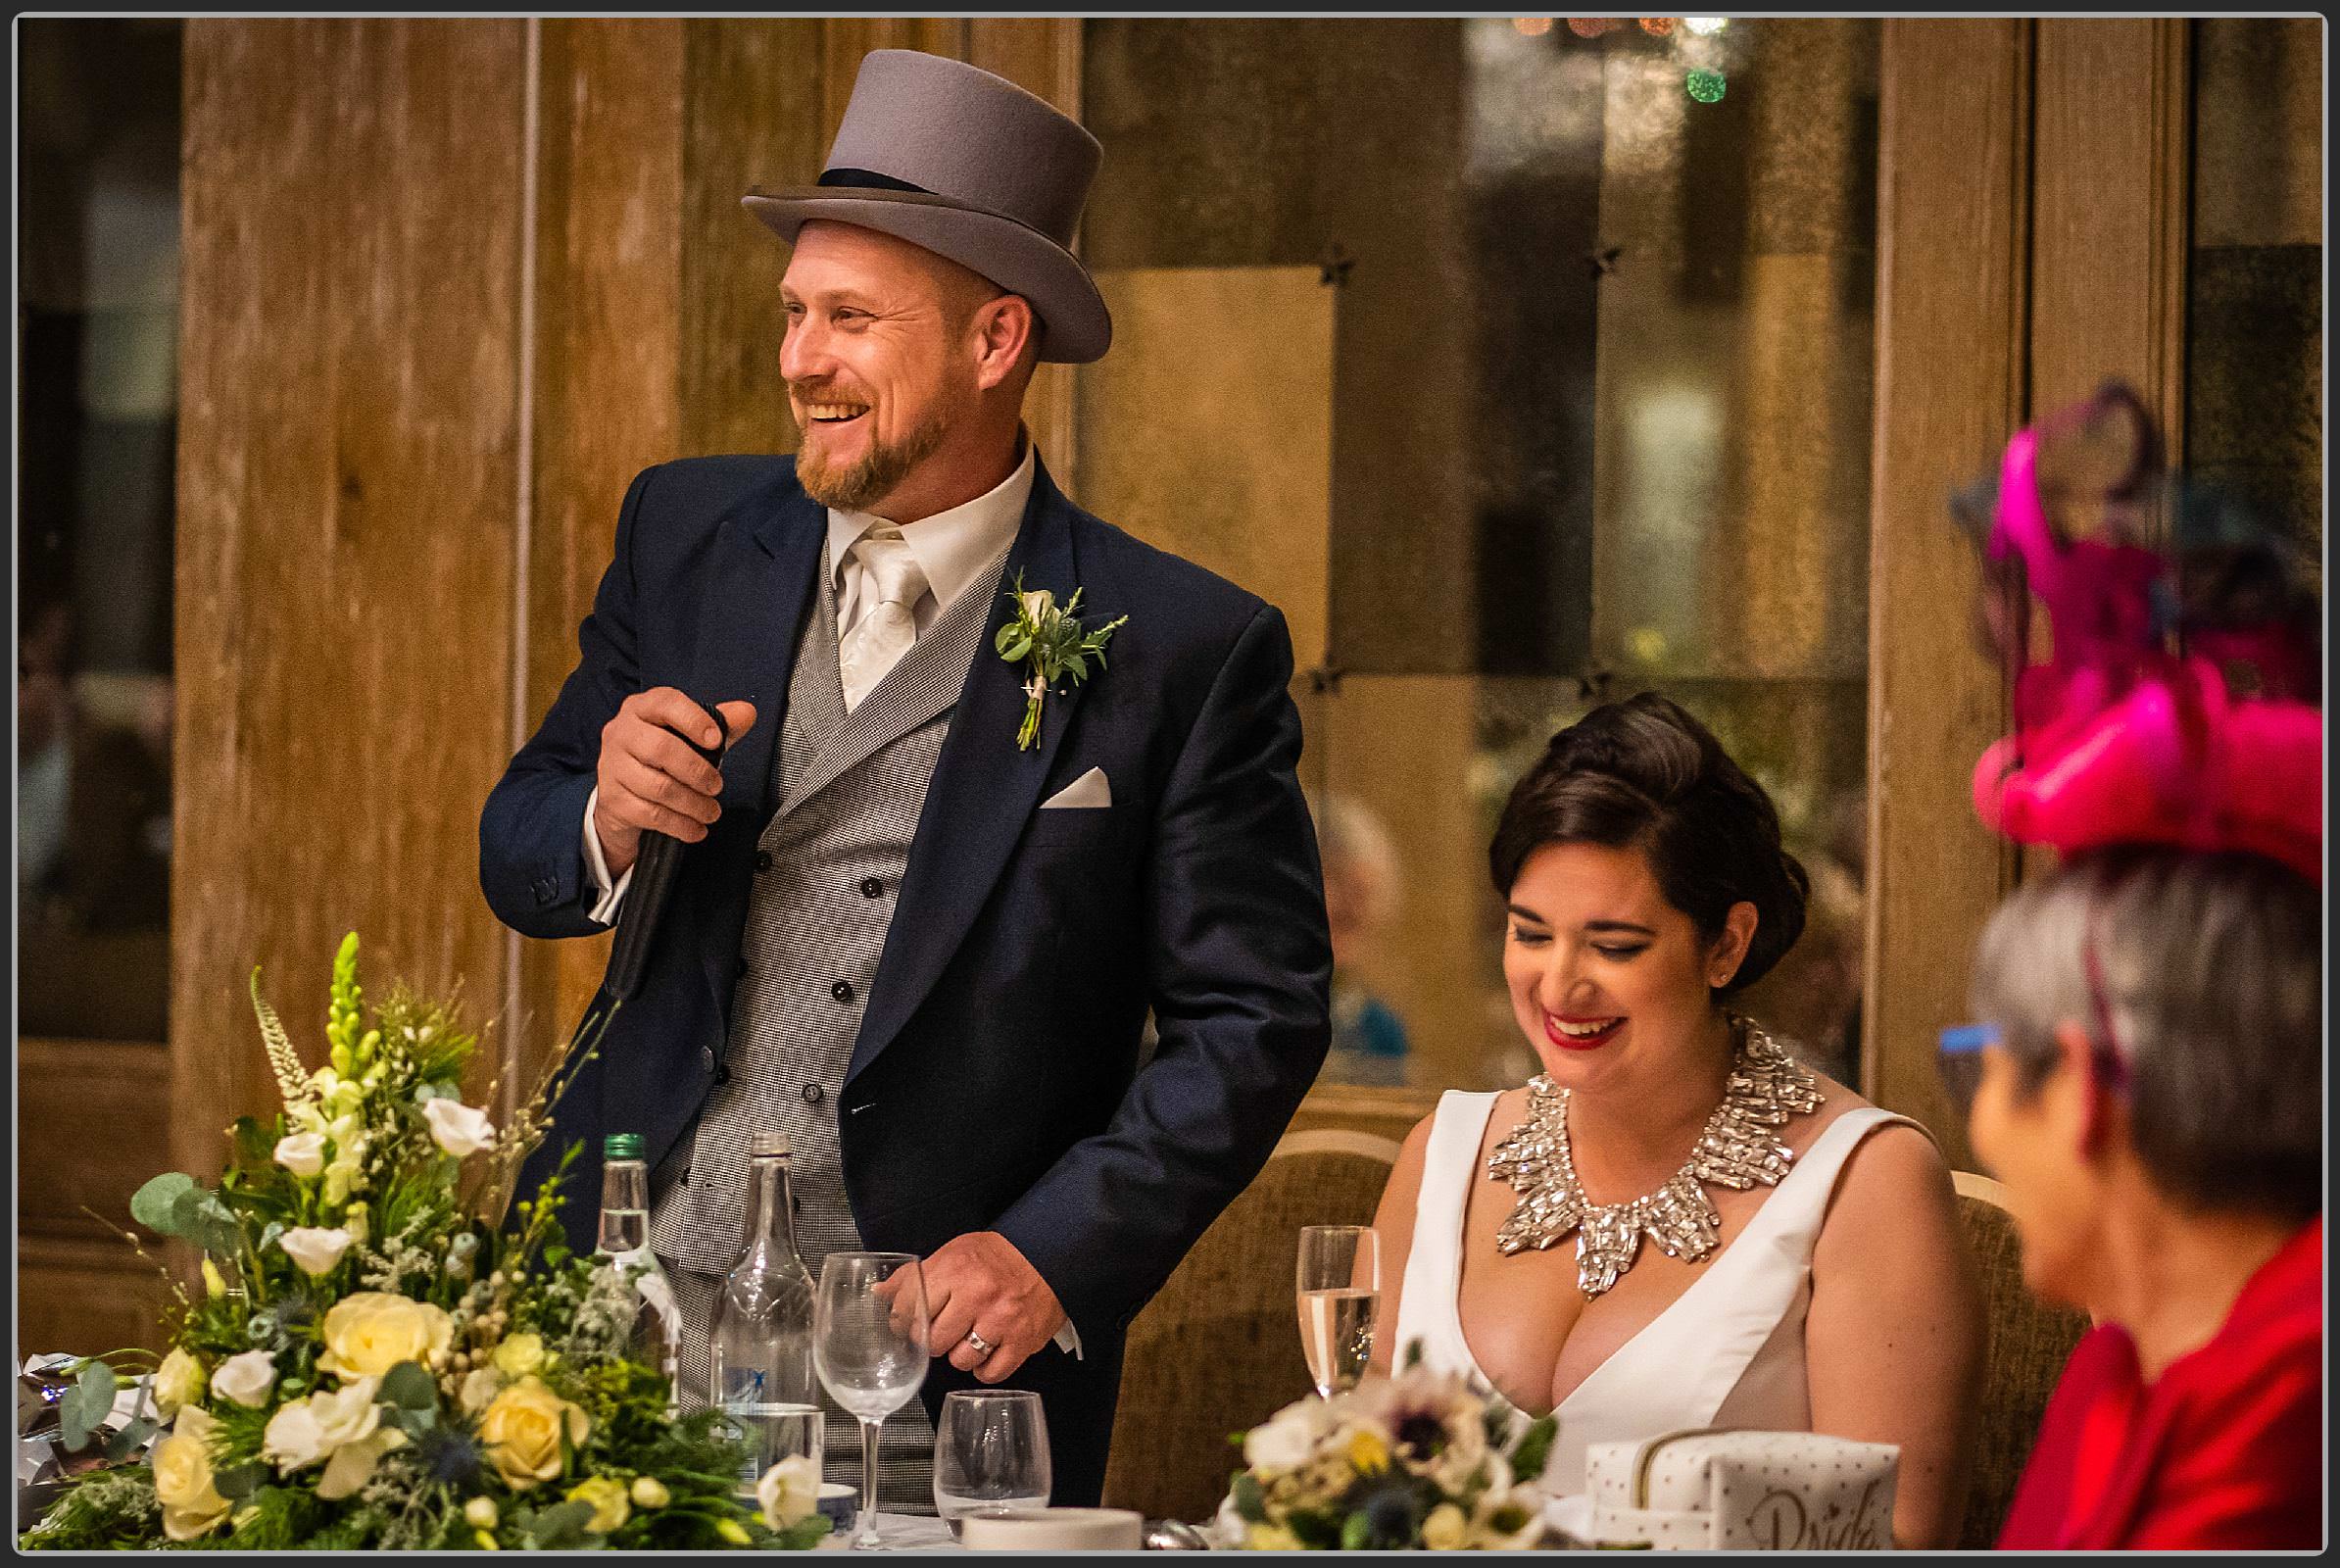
{"x":842,"y":991}
{"x":812,"y":1093}
{"x":763,"y":859}
{"x":871,"y":887}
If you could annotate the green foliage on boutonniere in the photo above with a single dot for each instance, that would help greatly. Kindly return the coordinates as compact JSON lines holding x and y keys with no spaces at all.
{"x":1051,"y":645}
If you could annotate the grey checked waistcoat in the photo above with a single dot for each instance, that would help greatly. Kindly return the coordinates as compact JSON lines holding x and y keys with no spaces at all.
{"x":830,"y":863}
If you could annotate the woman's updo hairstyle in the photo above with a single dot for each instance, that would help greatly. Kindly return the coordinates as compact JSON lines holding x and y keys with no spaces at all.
{"x":1644,"y":774}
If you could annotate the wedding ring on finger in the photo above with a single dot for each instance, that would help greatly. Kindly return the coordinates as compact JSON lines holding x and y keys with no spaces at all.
{"x":983,"y":1346}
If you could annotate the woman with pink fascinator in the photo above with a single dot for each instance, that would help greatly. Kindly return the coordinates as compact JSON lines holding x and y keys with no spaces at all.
{"x":2152,"y":1093}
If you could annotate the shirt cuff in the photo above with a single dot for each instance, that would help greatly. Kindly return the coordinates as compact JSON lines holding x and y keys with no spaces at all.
{"x":605,"y":909}
{"x":1068,"y":1339}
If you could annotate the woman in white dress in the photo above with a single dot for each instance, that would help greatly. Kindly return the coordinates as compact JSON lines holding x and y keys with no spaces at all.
{"x":1804,"y":1268}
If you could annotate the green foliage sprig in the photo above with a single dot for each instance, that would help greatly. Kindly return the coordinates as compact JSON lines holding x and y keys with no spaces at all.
{"x":1051,"y":645}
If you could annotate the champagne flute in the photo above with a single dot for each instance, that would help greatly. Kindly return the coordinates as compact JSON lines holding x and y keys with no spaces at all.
{"x":1339,"y":1289}
{"x":990,"y":1453}
{"x":869,"y":1347}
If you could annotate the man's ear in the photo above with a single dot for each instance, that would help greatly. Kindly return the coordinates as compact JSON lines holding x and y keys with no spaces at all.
{"x":1005,"y":328}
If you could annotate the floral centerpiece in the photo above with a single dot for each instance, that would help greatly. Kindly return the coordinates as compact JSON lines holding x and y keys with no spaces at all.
{"x":1422,"y":1459}
{"x":376,"y":1361}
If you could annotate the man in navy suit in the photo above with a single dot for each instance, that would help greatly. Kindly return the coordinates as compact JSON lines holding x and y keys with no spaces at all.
{"x":921,"y":951}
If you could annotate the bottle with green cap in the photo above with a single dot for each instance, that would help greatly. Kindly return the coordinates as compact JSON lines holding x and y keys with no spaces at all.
{"x":624,"y":1245}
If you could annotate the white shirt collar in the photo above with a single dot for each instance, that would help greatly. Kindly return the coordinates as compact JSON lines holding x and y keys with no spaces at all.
{"x":951,"y":547}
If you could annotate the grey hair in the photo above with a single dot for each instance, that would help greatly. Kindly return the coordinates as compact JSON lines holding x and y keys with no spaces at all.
{"x":2212,"y":973}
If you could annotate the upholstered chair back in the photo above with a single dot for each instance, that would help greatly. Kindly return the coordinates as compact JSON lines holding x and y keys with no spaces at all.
{"x":2029,"y":1339}
{"x":1219,"y":1349}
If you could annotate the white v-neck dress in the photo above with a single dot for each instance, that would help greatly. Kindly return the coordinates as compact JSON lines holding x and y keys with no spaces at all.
{"x":1729,"y":1351}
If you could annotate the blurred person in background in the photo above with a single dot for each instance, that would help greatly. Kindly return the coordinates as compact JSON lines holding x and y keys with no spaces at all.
{"x":1361,"y":891}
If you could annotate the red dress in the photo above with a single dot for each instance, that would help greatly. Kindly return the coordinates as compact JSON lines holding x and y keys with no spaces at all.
{"x":2224,"y":1449}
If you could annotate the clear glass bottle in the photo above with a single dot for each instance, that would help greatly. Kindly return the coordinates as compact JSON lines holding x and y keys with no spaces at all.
{"x":624,"y":1242}
{"x":759,"y":1352}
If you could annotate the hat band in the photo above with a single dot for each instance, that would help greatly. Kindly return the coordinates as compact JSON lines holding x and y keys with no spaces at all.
{"x":867,"y":179}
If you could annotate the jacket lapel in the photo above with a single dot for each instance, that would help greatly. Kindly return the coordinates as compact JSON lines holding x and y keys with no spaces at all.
{"x":760,"y":581}
{"x":982,"y":791}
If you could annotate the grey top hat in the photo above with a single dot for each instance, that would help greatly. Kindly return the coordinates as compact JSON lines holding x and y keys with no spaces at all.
{"x":973,"y":167}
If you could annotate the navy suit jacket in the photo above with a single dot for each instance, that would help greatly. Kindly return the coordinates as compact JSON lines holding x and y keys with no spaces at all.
{"x":995,"y":1083}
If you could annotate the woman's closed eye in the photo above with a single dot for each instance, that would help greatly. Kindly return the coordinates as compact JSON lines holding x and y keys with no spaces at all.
{"x":1620,"y":953}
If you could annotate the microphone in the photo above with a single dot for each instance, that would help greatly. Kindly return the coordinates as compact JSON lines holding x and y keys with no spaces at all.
{"x":653,"y":886}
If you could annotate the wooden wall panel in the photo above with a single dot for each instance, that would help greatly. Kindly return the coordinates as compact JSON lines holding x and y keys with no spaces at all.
{"x":2110,"y":211}
{"x":1950,"y":320}
{"x":347,"y":430}
{"x":606,"y":393}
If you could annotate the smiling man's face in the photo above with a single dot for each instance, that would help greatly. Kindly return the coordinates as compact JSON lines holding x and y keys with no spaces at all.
{"x":879,"y":357}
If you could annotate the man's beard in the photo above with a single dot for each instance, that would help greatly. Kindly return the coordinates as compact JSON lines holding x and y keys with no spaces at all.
{"x":859,"y":485}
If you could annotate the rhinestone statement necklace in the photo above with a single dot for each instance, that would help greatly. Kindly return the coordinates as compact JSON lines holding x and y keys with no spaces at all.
{"x":1736,"y":1149}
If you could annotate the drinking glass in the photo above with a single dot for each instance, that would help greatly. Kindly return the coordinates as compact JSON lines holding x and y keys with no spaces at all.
{"x":1339,"y":1294}
{"x":990,"y":1453}
{"x":870,"y":1347}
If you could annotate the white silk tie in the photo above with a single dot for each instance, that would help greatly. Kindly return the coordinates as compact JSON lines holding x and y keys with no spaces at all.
{"x":892,"y":584}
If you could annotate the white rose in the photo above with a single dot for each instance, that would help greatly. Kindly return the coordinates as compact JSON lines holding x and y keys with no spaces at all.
{"x":246,"y":1379}
{"x":1038,"y":603}
{"x":312,"y":1429}
{"x":302,"y":1153}
{"x":789,"y":1491}
{"x":459,"y":1129}
{"x":178,"y":1380}
{"x":1290,"y":1436}
{"x":315,"y":1251}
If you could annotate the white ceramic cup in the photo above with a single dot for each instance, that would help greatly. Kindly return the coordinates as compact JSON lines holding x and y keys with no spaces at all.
{"x":1053,"y":1530}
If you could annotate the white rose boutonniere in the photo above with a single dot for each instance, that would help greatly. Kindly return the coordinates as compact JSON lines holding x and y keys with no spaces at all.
{"x":1051,"y":645}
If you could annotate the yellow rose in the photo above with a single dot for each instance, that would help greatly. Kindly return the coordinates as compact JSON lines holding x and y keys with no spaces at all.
{"x":1270,"y":1537}
{"x":608,"y":1495}
{"x":521,"y":1355}
{"x":182,"y":1465}
{"x":178,"y":1381}
{"x":523,"y":1430}
{"x":371,"y":1332}
{"x":1446,"y":1529}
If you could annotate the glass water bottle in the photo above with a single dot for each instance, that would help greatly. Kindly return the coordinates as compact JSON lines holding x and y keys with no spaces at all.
{"x":624,"y":1244}
{"x":760,"y":1353}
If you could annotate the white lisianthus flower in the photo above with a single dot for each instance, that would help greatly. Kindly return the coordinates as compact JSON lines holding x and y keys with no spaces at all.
{"x":246,"y":1379}
{"x":1037,"y":605}
{"x":458,"y":1128}
{"x":302,"y":1153}
{"x":789,"y":1491}
{"x":351,"y":1464}
{"x":178,"y":1380}
{"x":312,"y":1429}
{"x":314,"y":1250}
{"x":1290,"y":1436}
{"x":479,"y":1386}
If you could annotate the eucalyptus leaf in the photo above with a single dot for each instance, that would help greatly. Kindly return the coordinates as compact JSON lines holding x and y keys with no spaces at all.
{"x":85,"y":1406}
{"x":238,"y":1482}
{"x":409,"y":1387}
{"x":155,"y":1205}
{"x":126,"y":1442}
{"x":1249,"y":1502}
{"x":560,"y":1526}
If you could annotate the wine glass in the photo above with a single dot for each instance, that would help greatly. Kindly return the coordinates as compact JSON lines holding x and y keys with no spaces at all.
{"x":1339,"y":1289}
{"x":870,"y":1347}
{"x":990,"y":1453}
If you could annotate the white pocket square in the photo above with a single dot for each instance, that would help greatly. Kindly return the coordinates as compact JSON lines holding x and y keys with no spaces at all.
{"x":1088,"y":790}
